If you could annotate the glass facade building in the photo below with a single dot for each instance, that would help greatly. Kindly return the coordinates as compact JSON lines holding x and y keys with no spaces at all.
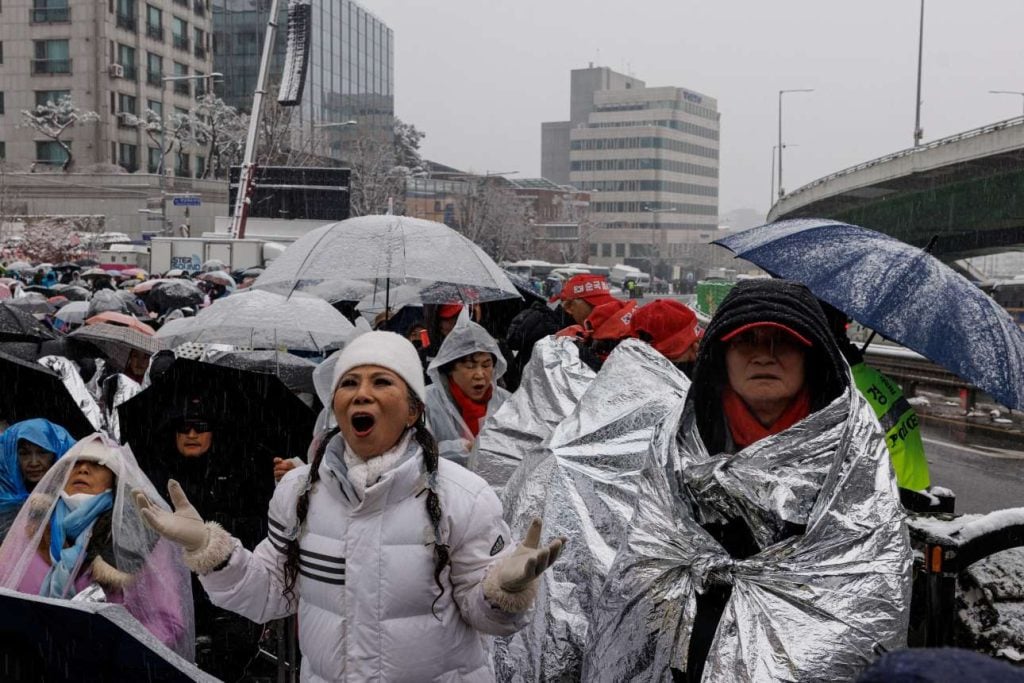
{"x":351,"y":64}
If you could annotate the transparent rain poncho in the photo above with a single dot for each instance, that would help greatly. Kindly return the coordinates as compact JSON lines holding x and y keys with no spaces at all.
{"x":583,"y":482}
{"x":134,"y":566}
{"x":444,"y":418}
{"x":819,"y":605}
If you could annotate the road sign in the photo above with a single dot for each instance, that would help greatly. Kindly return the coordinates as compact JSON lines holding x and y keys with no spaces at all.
{"x":188,"y":201}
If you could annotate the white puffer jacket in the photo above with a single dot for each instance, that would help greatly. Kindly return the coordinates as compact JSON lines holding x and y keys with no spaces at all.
{"x":366,"y":574}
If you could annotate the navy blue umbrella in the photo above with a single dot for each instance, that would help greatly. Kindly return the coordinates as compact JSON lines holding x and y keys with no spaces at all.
{"x":901,"y":292}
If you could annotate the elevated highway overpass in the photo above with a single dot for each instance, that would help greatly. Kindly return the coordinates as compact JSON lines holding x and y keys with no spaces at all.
{"x":967,"y":188}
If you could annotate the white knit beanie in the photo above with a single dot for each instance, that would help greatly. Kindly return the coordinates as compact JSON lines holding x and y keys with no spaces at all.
{"x":388,"y":350}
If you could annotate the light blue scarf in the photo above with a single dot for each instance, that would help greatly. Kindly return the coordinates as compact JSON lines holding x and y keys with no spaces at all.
{"x":64,"y":525}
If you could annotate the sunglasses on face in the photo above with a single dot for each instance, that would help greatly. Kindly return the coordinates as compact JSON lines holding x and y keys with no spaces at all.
{"x":198,"y":426}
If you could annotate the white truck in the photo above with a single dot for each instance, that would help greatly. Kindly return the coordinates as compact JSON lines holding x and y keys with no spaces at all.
{"x":621,"y":273}
{"x":189,"y":253}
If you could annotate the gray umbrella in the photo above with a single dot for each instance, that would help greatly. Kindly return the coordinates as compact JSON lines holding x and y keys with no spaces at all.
{"x":116,"y":342}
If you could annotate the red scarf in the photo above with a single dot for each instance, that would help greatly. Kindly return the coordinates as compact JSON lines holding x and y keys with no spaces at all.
{"x":747,"y":429}
{"x":472,"y":411}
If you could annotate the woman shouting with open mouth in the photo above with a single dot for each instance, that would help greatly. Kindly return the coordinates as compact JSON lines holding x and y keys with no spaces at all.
{"x":395,"y":560}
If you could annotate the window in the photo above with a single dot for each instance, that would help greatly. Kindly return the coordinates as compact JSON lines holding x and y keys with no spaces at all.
{"x":620,"y":250}
{"x":1,"y":52}
{"x":126,"y":104}
{"x":154,"y":23}
{"x":50,"y":152}
{"x":183,"y":167}
{"x":593,"y":248}
{"x":200,"y":166}
{"x":179,"y":33}
{"x":606,"y":250}
{"x":199,"y":41}
{"x":50,"y":12}
{"x":200,"y":84}
{"x":181,"y":87}
{"x":2,"y":102}
{"x":154,"y":69}
{"x":50,"y":97}
{"x":247,"y":44}
{"x":127,"y":17}
{"x":128,"y":157}
{"x":126,"y":58}
{"x":153,"y":160}
{"x":3,"y":150}
{"x":51,"y":57}
{"x":154,"y":106}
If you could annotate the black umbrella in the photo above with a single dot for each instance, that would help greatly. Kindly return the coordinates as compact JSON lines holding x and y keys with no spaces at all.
{"x":254,"y":412}
{"x":87,"y":262}
{"x":165,"y":297}
{"x":17,"y":324}
{"x":30,"y":390}
{"x":43,"y":639}
{"x":295,"y":372}
{"x":72,"y":292}
{"x":41,"y":289}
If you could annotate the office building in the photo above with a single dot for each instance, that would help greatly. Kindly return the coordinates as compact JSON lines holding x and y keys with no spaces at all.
{"x":648,"y":157}
{"x":350,"y":76}
{"x":110,"y":58}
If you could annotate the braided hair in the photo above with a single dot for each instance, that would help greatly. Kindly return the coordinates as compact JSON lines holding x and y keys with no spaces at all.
{"x":428,"y":444}
{"x":291,"y":562}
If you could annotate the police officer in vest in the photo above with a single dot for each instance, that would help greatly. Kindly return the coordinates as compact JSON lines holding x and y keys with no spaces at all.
{"x":897,"y":417}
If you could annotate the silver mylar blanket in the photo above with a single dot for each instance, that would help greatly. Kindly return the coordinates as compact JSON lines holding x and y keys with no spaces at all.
{"x":819,"y":606}
{"x":552,"y":384}
{"x":75,"y":385}
{"x":582,"y":481}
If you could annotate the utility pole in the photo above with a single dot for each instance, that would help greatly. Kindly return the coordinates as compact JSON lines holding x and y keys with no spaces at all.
{"x":918,"y":133}
{"x":781,"y":146}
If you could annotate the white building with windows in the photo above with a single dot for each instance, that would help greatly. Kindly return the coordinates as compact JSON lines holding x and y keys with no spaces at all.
{"x":649,"y":158}
{"x":110,"y":57}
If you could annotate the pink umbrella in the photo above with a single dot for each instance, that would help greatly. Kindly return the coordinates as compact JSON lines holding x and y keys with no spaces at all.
{"x":121,"y":319}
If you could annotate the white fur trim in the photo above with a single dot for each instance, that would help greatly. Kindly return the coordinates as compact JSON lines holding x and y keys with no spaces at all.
{"x":218,"y":548}
{"x":363,"y":474}
{"x":388,"y":350}
{"x":108,"y":576}
{"x":513,"y":603}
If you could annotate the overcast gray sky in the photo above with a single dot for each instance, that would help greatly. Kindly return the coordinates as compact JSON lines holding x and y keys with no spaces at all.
{"x":479,"y":76}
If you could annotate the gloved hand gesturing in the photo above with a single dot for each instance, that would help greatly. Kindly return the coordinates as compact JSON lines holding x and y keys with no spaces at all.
{"x":206,"y":545}
{"x":528,"y":561}
{"x":512,"y":582}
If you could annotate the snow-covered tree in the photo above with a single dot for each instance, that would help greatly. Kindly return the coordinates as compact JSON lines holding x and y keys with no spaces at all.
{"x":185,"y":130}
{"x":57,"y":238}
{"x":494,"y":218}
{"x":381,"y":164}
{"x":226,"y":134}
{"x":54,"y":119}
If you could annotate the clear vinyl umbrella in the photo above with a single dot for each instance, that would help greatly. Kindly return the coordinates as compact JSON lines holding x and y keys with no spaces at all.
{"x":256,"y":319}
{"x":389,"y":251}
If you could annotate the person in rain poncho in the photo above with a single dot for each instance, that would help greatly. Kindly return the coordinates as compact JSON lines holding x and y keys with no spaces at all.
{"x":80,"y":534}
{"x":28,"y":450}
{"x":767,"y":542}
{"x":464,"y":390}
{"x":397,"y":562}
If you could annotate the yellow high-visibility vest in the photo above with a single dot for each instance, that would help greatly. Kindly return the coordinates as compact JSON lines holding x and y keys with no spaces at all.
{"x":901,"y":425}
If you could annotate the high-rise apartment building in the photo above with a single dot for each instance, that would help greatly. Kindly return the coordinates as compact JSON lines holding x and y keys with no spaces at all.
{"x":649,"y":159}
{"x":109,"y":57}
{"x":351,"y":66}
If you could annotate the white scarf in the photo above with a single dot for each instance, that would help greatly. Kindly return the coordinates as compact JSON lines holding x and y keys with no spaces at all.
{"x":363,"y":474}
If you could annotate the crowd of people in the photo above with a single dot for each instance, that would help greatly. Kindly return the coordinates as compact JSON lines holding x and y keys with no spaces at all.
{"x":399,"y":560}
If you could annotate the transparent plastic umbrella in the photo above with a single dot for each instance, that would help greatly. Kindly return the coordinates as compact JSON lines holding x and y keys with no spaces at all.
{"x":388,"y":251}
{"x":263,"y":320}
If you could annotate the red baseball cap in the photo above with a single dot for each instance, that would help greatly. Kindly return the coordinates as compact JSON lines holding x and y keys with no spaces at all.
{"x":779,"y":326}
{"x":593,"y":289}
{"x":449,"y":310}
{"x":668,"y":325}
{"x":610,"y":321}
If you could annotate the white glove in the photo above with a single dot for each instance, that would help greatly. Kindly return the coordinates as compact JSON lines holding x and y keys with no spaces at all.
{"x":206,"y":545}
{"x":517,"y":571}
{"x":511,"y":582}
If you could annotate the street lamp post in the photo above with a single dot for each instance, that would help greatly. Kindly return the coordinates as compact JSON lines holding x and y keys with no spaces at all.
{"x":1007,"y":92}
{"x":918,"y":133}
{"x":164,"y":80}
{"x":780,"y":145}
{"x":771,"y":196}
